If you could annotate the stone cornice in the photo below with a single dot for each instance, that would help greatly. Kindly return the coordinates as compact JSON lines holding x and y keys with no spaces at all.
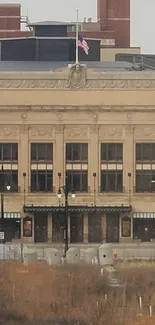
{"x":86,"y":80}
{"x":87,"y":108}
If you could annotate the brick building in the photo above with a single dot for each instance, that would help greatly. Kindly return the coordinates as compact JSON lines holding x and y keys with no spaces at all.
{"x":10,"y":21}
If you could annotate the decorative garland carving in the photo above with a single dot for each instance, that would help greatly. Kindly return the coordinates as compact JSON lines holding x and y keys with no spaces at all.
{"x":77,"y":79}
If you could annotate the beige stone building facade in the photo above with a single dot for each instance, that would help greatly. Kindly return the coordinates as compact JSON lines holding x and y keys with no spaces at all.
{"x":97,"y":127}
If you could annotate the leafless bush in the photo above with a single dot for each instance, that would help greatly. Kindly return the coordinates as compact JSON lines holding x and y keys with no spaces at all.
{"x":41,"y":295}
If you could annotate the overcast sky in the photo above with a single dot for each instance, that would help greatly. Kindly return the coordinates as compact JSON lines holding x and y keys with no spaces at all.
{"x":142,"y":16}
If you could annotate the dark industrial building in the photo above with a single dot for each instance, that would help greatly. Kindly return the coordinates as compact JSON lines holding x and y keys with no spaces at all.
{"x":49,"y":43}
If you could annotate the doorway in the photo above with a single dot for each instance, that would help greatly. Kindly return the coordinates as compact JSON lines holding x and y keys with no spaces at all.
{"x":94,"y":228}
{"x":76,"y":228}
{"x":112,"y":227}
{"x":12,"y":229}
{"x":40,"y":227}
{"x":58,"y":227}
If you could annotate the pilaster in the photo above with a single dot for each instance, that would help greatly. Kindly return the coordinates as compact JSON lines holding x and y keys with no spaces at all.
{"x":59,"y":157}
{"x":85,"y":228}
{"x":23,"y":161}
{"x":128,"y":161}
{"x":93,"y":166}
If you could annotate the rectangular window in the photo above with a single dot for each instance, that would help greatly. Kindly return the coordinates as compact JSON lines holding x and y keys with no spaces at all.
{"x":9,"y":152}
{"x":9,"y":177}
{"x":145,"y":181}
{"x":41,"y":181}
{"x":145,"y":152}
{"x":77,"y":152}
{"x":112,"y":152}
{"x":41,"y":152}
{"x":77,"y":180}
{"x":112,"y":181}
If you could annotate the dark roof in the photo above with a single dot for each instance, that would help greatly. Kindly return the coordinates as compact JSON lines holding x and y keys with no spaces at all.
{"x":52,"y":66}
{"x":44,"y":37}
{"x":51,"y":23}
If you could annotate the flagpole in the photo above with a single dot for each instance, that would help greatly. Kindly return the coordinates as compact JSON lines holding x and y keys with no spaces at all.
{"x":77,"y":34}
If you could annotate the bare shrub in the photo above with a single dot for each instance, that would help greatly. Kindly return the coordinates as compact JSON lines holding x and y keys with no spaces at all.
{"x":40,"y":295}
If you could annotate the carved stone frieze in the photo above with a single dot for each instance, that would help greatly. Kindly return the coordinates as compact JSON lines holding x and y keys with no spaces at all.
{"x":41,"y":131}
{"x":77,"y":77}
{"x":109,"y":131}
{"x":76,"y":132}
{"x":24,"y":128}
{"x":60,"y":128}
{"x":9,"y":131}
{"x":144,"y":131}
{"x":94,"y":128}
{"x":129,"y":129}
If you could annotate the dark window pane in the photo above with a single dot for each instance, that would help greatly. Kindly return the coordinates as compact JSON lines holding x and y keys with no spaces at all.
{"x":146,"y":153}
{"x":144,"y":181}
{"x":119,"y":182}
{"x":33,"y":151}
{"x":69,"y":180}
{"x":84,"y":187}
{"x":14,"y":151}
{"x":6,"y":151}
{"x":111,"y":181}
{"x":153,"y":151}
{"x":76,"y":181}
{"x":41,"y":151}
{"x":33,"y":181}
{"x":0,"y":151}
{"x":119,"y":152}
{"x":103,"y":182}
{"x":41,"y":181}
{"x":138,"y":151}
{"x":49,"y":185}
{"x":103,"y":151}
{"x":49,"y":153}
{"x":76,"y":151}
{"x":68,"y":151}
{"x":14,"y":181}
{"x":84,"y":151}
{"x":10,"y":178}
{"x":111,"y":151}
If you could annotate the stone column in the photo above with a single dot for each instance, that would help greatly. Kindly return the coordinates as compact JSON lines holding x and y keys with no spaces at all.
{"x":24,"y":161}
{"x":69,"y":227}
{"x":85,"y":228}
{"x":49,"y":234}
{"x":93,"y":166}
{"x":128,"y":161}
{"x":103,"y":227}
{"x":59,"y":166}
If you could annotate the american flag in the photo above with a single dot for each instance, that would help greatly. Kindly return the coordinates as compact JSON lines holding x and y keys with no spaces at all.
{"x":83,"y":44}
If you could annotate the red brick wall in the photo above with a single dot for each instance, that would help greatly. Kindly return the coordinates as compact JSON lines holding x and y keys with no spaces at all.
{"x":97,"y":35}
{"x":10,"y":17}
{"x":15,"y":34}
{"x":117,"y":12}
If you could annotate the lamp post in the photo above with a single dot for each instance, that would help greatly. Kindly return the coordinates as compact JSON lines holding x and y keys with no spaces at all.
{"x":129,"y":177}
{"x":2,"y":235}
{"x":66,"y":191}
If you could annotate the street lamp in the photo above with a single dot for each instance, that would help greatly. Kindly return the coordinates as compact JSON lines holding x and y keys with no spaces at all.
{"x":8,"y":187}
{"x":64,"y":189}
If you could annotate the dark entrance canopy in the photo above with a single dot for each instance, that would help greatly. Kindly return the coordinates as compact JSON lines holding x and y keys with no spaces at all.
{"x":80,"y":208}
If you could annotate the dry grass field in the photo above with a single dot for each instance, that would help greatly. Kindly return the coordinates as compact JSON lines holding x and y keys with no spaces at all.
{"x":39,"y":295}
